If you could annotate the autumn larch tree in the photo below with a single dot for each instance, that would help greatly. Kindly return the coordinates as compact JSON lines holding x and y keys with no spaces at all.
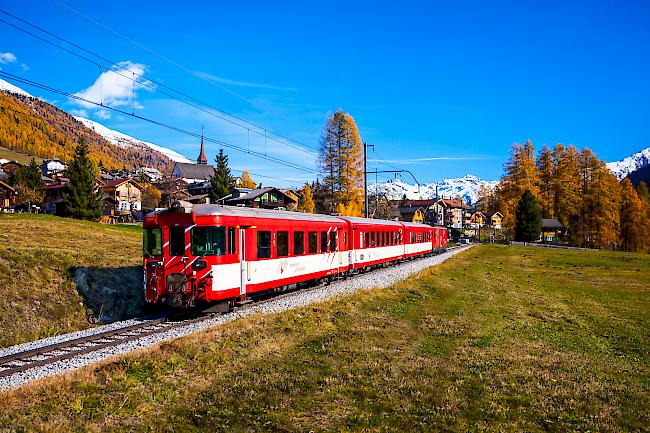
{"x":520,"y":175}
{"x":341,"y":163}
{"x":528,"y":218}
{"x":222,"y":181}
{"x":306,"y":202}
{"x":632,"y":218}
{"x":82,"y":197}
{"x":546,"y":187}
{"x":247,"y":181}
{"x":151,"y":196}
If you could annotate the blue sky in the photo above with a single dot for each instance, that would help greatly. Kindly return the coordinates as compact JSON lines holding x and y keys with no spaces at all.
{"x":440,"y":88}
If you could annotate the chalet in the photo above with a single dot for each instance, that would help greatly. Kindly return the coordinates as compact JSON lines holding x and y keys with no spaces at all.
{"x":10,"y":167}
{"x":264,"y":198}
{"x":294,"y":195}
{"x":551,"y":230}
{"x":51,"y":167}
{"x":414,"y":214}
{"x":121,"y":196}
{"x":477,"y":219}
{"x":451,"y":213}
{"x":148,"y":174}
{"x":7,"y":194}
{"x":53,"y":196}
{"x":494,"y":220}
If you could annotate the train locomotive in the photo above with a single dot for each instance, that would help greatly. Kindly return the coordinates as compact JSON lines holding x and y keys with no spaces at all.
{"x":212,"y":255}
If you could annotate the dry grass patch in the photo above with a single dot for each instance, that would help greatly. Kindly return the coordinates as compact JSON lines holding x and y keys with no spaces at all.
{"x":38,"y":255}
{"x":484,"y":342}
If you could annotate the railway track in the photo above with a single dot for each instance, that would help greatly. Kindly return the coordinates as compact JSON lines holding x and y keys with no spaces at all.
{"x":23,"y":361}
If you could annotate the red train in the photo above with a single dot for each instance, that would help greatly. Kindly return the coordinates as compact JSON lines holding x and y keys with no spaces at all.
{"x":221,"y":254}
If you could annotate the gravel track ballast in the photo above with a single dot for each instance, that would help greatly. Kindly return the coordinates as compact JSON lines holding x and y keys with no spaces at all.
{"x":378,"y":278}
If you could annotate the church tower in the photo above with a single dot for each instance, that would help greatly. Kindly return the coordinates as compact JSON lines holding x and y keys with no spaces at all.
{"x":202,"y":159}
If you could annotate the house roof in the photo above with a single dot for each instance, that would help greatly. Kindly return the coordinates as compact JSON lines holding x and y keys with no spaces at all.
{"x":117,"y":182}
{"x":551,"y":223}
{"x":453,"y":203}
{"x":6,"y":186}
{"x":425,"y":202}
{"x":252,"y":195}
{"x":491,"y":214}
{"x":194,"y":171}
{"x":409,"y":210}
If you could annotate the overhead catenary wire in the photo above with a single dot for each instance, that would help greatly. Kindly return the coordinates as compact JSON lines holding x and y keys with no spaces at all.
{"x":158,"y":123}
{"x":116,"y":65}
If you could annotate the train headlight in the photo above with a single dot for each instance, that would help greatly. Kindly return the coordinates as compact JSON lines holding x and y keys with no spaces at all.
{"x":199,"y":265}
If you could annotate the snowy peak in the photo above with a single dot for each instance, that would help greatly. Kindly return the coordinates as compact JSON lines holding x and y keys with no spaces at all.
{"x":126,"y":141}
{"x":630,"y":164}
{"x":4,"y":85}
{"x":467,"y":187}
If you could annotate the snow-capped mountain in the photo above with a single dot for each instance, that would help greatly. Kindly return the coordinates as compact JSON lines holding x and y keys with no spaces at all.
{"x":467,"y":187}
{"x":111,"y":135}
{"x":4,"y":85}
{"x":123,"y":140}
{"x":630,"y":164}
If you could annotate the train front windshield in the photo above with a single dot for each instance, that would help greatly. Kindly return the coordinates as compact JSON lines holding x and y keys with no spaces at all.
{"x":152,"y":242}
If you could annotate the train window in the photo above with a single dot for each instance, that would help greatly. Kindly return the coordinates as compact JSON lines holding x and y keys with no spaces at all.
{"x":263,"y":245}
{"x":372,"y":239}
{"x":283,"y":244}
{"x":345,"y":240}
{"x":232,"y":243}
{"x":383,"y":239}
{"x":208,"y":241}
{"x":333,"y":241}
{"x":323,"y":242}
{"x":313,"y":242}
{"x":152,"y":242}
{"x":298,"y":243}
{"x":176,"y":241}
{"x":367,"y":244}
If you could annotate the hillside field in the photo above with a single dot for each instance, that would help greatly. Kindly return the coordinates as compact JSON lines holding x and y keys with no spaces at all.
{"x":40,"y":258}
{"x":499,"y":338}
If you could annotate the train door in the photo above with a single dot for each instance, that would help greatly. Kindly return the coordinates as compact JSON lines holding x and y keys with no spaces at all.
{"x":243,"y":264}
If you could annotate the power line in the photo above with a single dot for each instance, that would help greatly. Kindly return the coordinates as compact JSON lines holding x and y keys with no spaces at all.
{"x":267,"y":133}
{"x":155,"y":122}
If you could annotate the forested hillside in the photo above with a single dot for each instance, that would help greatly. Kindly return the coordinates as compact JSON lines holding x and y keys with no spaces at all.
{"x":34,"y":127}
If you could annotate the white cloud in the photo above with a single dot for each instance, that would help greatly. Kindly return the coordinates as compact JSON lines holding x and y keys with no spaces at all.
{"x":103,"y":114}
{"x":24,"y":67}
{"x":432,"y":158}
{"x":79,"y":113}
{"x":115,"y":88}
{"x":209,"y":77}
{"x":7,"y":58}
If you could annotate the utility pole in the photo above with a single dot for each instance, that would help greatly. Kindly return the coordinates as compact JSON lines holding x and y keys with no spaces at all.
{"x":365,"y":177}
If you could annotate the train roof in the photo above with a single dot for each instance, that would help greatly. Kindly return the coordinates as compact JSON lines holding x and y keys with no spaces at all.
{"x":238,"y":211}
{"x":371,"y":221}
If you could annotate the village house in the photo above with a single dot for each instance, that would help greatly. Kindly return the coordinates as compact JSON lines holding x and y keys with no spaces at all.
{"x":51,"y":167}
{"x":53,"y":196}
{"x":495,"y":219}
{"x":121,"y":196}
{"x":551,"y":230}
{"x":263,"y":198}
{"x":414,"y":214}
{"x":7,"y":194}
{"x":451,"y":213}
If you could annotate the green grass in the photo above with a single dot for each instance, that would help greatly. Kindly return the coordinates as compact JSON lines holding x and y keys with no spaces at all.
{"x":499,"y":338}
{"x":15,"y":156}
{"x":39,"y":255}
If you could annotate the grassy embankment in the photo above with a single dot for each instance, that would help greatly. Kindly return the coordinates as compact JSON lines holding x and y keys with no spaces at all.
{"x":37,"y":256}
{"x":15,"y":156}
{"x":498,"y":338}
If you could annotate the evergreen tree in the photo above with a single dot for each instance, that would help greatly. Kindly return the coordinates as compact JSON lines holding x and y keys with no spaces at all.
{"x":341,"y":163}
{"x":82,"y":197}
{"x":222,"y":181}
{"x":529,"y":218}
{"x":33,"y":177}
{"x":632,"y":218}
{"x":247,"y":181}
{"x":404,"y":201}
{"x":306,"y":202}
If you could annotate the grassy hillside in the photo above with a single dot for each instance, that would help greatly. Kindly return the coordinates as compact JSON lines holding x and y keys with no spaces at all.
{"x":38,"y":257}
{"x":499,"y":338}
{"x":15,"y":156}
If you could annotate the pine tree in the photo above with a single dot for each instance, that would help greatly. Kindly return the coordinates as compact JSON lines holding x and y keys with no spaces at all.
{"x":82,"y":197}
{"x":222,"y":181}
{"x":529,"y":219}
{"x":632,"y":218}
{"x":247,"y":181}
{"x":33,"y":177}
{"x":306,"y":202}
{"x":340,"y":161}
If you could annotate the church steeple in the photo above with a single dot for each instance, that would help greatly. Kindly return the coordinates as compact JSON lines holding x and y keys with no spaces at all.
{"x":202,"y":159}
